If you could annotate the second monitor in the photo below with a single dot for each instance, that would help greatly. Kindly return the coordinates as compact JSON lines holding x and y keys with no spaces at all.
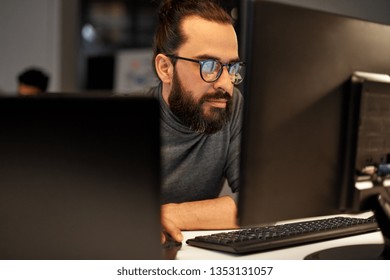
{"x":296,"y":107}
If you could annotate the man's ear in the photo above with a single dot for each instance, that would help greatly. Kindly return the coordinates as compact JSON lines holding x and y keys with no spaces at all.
{"x":164,"y":68}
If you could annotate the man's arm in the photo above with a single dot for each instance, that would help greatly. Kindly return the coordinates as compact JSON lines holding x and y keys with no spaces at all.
{"x":217,"y":213}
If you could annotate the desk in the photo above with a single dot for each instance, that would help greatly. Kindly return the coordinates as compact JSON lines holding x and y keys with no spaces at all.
{"x":293,"y":253}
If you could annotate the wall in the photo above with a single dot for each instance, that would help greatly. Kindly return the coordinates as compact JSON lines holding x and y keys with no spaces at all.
{"x":68,"y":45}
{"x":37,"y":33}
{"x":27,"y":38}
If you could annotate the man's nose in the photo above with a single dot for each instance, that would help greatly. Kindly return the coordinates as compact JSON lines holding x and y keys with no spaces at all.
{"x":224,"y":82}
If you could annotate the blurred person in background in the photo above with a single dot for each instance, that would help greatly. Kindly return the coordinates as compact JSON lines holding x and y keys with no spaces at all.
{"x":32,"y":81}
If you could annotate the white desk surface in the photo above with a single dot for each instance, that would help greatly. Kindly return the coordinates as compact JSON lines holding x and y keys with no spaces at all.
{"x":188,"y":252}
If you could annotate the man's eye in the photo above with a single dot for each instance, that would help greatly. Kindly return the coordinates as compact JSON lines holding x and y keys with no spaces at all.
{"x":209,"y":66}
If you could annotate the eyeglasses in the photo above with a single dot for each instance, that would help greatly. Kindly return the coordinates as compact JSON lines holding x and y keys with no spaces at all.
{"x":211,"y":69}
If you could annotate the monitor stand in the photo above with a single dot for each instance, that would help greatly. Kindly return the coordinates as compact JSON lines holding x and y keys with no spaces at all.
{"x":380,"y":204}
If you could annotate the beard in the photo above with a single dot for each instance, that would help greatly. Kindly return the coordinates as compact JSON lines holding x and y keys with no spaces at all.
{"x":193,"y":113}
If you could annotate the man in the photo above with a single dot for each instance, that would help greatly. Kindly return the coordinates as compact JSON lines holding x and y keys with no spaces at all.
{"x":32,"y":82}
{"x":197,"y":62}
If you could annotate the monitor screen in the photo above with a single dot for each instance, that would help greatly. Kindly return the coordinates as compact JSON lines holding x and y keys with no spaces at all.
{"x":78,"y":176}
{"x":367,"y":166}
{"x":300,"y":62}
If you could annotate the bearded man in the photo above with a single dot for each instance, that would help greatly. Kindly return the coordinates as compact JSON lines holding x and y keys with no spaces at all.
{"x":196,"y":59}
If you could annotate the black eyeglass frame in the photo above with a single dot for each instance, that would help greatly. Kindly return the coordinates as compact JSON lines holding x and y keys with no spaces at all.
{"x":203,"y":61}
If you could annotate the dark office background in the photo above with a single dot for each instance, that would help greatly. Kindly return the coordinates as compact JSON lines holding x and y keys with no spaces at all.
{"x":76,"y":40}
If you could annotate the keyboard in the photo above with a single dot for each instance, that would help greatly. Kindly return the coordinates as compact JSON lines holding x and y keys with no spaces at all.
{"x":258,"y":239}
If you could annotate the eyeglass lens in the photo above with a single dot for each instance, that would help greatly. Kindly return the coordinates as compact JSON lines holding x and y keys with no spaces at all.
{"x":211,"y":70}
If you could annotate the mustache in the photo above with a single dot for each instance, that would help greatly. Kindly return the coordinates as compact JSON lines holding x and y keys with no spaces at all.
{"x":217,"y":95}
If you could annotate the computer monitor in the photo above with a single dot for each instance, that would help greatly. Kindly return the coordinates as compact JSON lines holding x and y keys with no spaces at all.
{"x":367,"y":153}
{"x":300,"y":62}
{"x":79,"y":178}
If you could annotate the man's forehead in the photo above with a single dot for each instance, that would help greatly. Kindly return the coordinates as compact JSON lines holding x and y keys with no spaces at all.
{"x":204,"y":37}
{"x":193,"y":26}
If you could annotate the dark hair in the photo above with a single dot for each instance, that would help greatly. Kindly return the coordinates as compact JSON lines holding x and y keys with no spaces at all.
{"x":169,"y":36}
{"x":34,"y":77}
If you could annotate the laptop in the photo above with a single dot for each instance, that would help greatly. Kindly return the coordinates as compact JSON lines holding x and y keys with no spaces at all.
{"x":79,"y":178}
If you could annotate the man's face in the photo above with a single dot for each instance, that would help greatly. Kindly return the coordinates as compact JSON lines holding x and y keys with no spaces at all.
{"x":204,"y":107}
{"x":27,"y":90}
{"x":193,"y":112}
